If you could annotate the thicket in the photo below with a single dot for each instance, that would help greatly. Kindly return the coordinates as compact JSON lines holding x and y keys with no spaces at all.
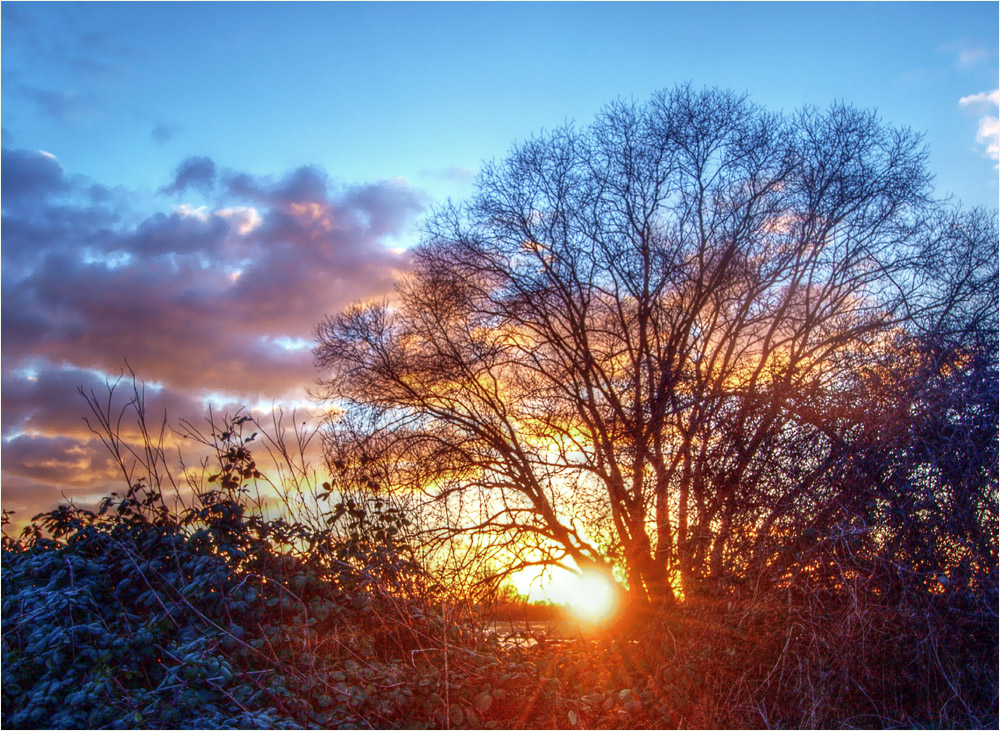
{"x":149,"y":613}
{"x":143,"y":614}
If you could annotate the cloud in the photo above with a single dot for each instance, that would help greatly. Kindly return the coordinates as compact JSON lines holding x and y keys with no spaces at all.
{"x":194,"y":172}
{"x":966,"y":54}
{"x":64,"y":105}
{"x":59,"y":460}
{"x":307,"y":184}
{"x":44,"y":399}
{"x":988,"y":134}
{"x":66,"y":62}
{"x":201,"y":300}
{"x":162,"y":133}
{"x":45,"y":211}
{"x":179,"y":233}
{"x":51,"y":452}
{"x":244,"y":218}
{"x":387,"y":205}
{"x":982,"y":99}
{"x":30,"y":174}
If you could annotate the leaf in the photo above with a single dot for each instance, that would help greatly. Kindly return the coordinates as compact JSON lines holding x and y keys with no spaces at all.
{"x":483,"y":702}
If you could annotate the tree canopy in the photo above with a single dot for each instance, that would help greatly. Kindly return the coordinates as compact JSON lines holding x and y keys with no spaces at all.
{"x":699,"y":342}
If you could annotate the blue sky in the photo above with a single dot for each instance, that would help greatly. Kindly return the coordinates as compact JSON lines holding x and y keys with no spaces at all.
{"x":383,"y":90}
{"x":193,"y":186}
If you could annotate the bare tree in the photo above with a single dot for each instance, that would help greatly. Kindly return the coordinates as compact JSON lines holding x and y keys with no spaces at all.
{"x":634,"y":345}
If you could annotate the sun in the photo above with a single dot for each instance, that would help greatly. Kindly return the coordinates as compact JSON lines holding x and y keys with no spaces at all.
{"x":592,"y":597}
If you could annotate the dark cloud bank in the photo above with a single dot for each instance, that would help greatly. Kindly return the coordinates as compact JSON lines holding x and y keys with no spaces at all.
{"x":202,"y":298}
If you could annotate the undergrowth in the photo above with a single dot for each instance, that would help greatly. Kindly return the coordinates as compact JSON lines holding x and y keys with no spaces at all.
{"x":146,"y":613}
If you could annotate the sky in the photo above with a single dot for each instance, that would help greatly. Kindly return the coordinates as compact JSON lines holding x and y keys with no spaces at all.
{"x":192,"y":187}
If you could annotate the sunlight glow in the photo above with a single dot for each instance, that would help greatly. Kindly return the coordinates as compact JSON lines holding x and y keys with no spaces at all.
{"x":313,"y":213}
{"x":287,"y":342}
{"x":28,"y":373}
{"x":185,"y":210}
{"x":109,"y":259}
{"x":593,"y":597}
{"x":590,"y":595}
{"x":245,"y":219}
